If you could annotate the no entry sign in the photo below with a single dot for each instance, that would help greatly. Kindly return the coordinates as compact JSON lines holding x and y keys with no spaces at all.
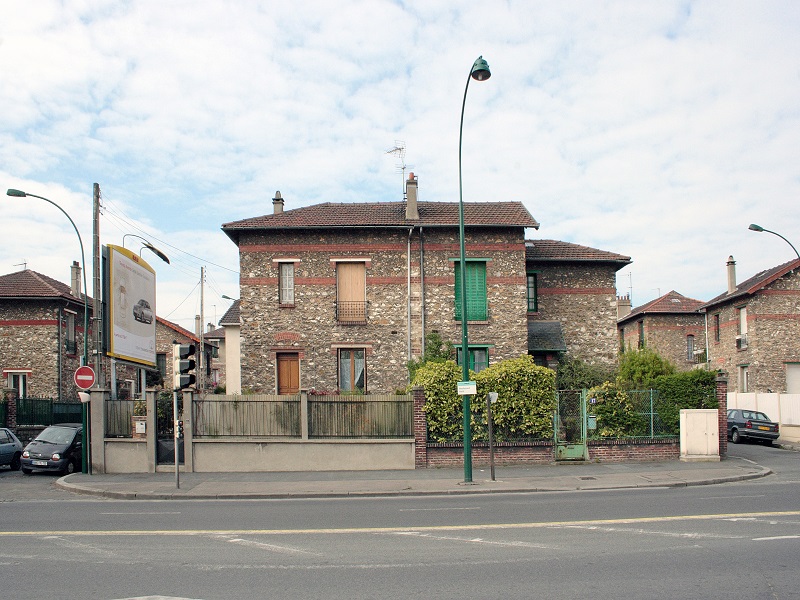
{"x":84,"y":377}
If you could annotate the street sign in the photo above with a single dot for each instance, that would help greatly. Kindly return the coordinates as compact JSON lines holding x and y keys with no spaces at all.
{"x":467,"y":388}
{"x":84,"y":377}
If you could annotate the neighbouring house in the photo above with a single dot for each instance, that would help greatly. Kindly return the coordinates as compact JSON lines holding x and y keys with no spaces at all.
{"x":669,"y":325}
{"x":42,"y":327}
{"x":572,"y":306}
{"x":227,"y":360}
{"x":754,"y":330}
{"x":340,"y":296}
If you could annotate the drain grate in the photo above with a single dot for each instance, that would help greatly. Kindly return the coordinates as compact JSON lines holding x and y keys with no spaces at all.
{"x":587,"y":478}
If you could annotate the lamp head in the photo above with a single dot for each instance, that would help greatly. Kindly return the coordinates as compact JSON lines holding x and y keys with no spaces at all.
{"x":17,"y":193}
{"x":480,"y":70}
{"x":754,"y":227}
{"x":156,"y":251}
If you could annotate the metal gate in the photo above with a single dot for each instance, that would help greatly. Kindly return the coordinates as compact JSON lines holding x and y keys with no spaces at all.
{"x":569,"y":424}
{"x":165,"y":427}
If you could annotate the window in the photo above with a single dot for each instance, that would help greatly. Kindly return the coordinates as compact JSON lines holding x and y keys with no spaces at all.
{"x":690,"y":348}
{"x":641,"y":334}
{"x":18,"y":380}
{"x":716,"y":327}
{"x":478,"y":357}
{"x":70,"y":344}
{"x":352,"y":370}
{"x":476,"y":291}
{"x":744,"y":379}
{"x":286,"y":283}
{"x":161,"y":363}
{"x":533,"y":292}
{"x":351,"y":292}
{"x":741,"y":327}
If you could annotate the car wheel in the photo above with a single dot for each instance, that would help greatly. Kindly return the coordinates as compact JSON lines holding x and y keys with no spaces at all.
{"x":26,"y":471}
{"x":735,"y":437}
{"x":69,"y":468}
{"x":16,"y":462}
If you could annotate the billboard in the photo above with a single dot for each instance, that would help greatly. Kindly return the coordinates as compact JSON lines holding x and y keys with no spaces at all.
{"x":130,"y":300}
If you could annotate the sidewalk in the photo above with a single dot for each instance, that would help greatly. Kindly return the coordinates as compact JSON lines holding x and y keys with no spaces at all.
{"x":336,"y":484}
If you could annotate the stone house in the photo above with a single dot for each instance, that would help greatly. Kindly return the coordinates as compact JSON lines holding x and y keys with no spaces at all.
{"x":342,"y":296}
{"x":572,"y":302}
{"x":754,"y":330}
{"x":671,"y":326}
{"x":41,"y":325}
{"x":226,"y":361}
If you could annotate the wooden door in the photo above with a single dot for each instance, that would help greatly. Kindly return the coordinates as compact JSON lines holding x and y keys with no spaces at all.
{"x":288,"y":373}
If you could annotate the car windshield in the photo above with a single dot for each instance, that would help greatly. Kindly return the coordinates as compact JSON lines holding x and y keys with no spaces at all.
{"x":56,"y":435}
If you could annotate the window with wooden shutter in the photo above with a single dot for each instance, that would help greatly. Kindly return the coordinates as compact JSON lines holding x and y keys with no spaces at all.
{"x":351,"y":294}
{"x":476,"y":291}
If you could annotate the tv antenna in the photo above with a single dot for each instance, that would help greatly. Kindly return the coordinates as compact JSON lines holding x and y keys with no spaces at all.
{"x":23,"y":264}
{"x":399,"y":150}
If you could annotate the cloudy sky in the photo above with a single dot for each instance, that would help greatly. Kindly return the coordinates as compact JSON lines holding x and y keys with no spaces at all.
{"x":658,"y":130}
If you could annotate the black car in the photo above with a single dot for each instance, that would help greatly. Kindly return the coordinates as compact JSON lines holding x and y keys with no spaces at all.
{"x":58,"y":448}
{"x":751,"y":424}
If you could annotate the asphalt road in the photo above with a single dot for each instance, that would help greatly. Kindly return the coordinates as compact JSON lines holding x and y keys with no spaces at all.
{"x":653,"y":543}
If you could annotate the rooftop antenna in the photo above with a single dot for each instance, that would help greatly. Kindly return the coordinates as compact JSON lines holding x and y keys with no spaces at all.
{"x":23,"y":264}
{"x":399,"y":150}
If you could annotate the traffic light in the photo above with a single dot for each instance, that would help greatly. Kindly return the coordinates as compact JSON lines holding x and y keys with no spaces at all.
{"x":180,"y":430}
{"x":182,"y":365}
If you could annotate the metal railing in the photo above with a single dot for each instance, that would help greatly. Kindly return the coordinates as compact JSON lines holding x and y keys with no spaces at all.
{"x":46,"y":411}
{"x":351,"y":312}
{"x":360,"y":416}
{"x":247,"y":416}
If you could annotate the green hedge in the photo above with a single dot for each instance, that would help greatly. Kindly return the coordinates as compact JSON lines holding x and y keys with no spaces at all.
{"x":691,"y":390}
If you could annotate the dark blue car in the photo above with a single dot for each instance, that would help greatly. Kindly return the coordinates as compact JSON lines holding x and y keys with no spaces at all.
{"x":751,"y":424}
{"x":58,"y":448}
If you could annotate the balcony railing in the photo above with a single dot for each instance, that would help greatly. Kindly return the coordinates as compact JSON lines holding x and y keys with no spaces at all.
{"x":348,"y":312}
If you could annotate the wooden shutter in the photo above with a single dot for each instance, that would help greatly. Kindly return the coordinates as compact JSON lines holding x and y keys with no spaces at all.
{"x":476,"y":291}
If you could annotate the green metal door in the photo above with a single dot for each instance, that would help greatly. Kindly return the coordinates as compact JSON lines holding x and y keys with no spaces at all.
{"x":570,"y":425}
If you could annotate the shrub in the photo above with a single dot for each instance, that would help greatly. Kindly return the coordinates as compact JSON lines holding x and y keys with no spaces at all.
{"x":638,"y":369}
{"x":616,"y":414}
{"x":691,"y":389}
{"x":575,"y":374}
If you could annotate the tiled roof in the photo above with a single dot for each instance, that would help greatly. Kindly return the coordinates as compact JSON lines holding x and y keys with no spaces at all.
{"x":215,"y":334}
{"x":670,"y":303}
{"x":30,"y":284}
{"x":231,"y":316}
{"x":554,"y":250}
{"x":756,"y":282}
{"x":545,"y":336}
{"x":178,"y":329}
{"x":388,"y":214}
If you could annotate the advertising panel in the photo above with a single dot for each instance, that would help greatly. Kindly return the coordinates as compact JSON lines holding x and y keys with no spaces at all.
{"x":131,"y":302}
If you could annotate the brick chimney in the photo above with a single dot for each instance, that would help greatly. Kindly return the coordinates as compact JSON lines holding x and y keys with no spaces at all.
{"x":412,"y":212}
{"x":75,"y":279}
{"x":277,"y":204}
{"x":731,"y":264}
{"x":623,"y":306}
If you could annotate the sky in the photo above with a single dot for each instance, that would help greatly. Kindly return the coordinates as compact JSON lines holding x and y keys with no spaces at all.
{"x":657,"y":130}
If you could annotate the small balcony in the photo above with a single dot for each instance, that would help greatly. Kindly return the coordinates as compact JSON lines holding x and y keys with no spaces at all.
{"x":351,"y":313}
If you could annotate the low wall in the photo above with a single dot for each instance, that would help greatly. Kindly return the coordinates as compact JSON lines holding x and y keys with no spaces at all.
{"x":246,"y":455}
{"x":124,"y":455}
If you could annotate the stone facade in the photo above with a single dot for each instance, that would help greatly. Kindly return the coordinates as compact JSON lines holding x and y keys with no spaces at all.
{"x":407,"y":295}
{"x":34,"y":334}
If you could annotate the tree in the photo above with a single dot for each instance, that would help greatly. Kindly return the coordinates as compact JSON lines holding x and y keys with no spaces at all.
{"x":575,"y":374}
{"x":436,"y":351}
{"x":639,"y":368}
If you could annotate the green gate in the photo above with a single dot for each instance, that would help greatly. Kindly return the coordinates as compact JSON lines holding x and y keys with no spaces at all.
{"x":569,"y":423}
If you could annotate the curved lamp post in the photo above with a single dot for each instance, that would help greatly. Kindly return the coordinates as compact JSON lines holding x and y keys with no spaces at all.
{"x":479,"y":72}
{"x":147,"y":245}
{"x":754,"y":227}
{"x":85,"y":359}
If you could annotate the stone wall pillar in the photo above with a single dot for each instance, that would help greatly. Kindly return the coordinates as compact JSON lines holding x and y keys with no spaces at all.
{"x":722,"y":400}
{"x":420,"y":429}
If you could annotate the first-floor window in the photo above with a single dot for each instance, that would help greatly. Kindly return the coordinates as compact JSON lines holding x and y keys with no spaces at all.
{"x":70,"y":342}
{"x":478,"y":358}
{"x":286,"y":283}
{"x":352,"y":370}
{"x":475,"y":290}
{"x":18,"y":380}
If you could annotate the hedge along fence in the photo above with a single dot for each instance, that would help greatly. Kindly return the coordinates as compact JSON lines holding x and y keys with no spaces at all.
{"x":524,"y":409}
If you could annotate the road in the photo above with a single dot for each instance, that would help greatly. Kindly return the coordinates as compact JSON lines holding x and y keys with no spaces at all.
{"x":737,"y":540}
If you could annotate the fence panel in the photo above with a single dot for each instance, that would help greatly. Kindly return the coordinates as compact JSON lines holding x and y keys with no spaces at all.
{"x":249,"y":416}
{"x":46,"y":411}
{"x":118,"y":418}
{"x":371,"y":416}
{"x":4,"y":413}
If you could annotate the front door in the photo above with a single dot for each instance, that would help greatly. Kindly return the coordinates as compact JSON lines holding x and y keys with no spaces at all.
{"x":570,"y":425}
{"x":288,"y":373}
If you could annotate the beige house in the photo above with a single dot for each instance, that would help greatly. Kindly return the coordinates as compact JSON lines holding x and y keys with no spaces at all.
{"x":754,"y":330}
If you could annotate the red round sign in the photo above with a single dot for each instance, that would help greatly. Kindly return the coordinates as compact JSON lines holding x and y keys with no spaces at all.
{"x":84,"y":377}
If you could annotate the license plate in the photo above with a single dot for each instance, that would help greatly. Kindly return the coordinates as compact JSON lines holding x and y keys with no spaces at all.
{"x":763,"y":428}
{"x":39,"y":463}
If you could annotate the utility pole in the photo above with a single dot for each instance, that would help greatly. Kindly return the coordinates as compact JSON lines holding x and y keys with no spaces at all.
{"x":97,"y":306}
{"x":202,"y":353}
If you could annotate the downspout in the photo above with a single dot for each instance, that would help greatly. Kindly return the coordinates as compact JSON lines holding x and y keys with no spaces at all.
{"x":422,"y":285}
{"x":408,"y":295}
{"x":708,"y":348}
{"x":59,"y":354}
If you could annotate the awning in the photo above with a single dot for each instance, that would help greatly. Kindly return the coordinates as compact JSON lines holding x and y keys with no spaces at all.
{"x":545,"y":336}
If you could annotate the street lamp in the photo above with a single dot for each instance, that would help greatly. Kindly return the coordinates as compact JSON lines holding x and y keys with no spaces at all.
{"x":147,"y":245}
{"x":479,"y":72}
{"x":85,"y":359}
{"x":754,"y":227}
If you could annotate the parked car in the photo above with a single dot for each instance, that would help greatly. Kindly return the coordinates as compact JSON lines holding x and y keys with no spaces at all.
{"x":58,"y":448}
{"x":142,"y":311}
{"x":751,"y":424}
{"x":10,"y":449}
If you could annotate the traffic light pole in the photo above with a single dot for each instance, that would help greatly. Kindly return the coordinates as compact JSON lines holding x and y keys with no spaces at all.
{"x":175,"y":436}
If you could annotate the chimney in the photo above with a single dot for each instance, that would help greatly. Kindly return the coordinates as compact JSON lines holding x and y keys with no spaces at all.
{"x":209,"y":327}
{"x":277,"y":204}
{"x":623,"y":306}
{"x":731,"y":264}
{"x":75,"y":279}
{"x":412,"y":213}
{"x":198,"y":327}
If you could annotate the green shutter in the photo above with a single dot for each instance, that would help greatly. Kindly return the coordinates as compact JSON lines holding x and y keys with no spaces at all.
{"x":476,"y":291}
